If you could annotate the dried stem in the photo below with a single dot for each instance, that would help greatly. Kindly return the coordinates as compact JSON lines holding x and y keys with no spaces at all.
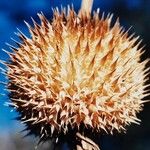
{"x":86,"y":7}
{"x":85,"y":143}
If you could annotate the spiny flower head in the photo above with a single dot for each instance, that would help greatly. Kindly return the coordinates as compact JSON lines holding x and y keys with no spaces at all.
{"x":76,"y":70}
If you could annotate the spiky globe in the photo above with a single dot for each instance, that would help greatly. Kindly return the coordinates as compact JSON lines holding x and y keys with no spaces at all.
{"x":76,"y":70}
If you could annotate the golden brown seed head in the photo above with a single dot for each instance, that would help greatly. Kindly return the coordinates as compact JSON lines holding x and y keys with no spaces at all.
{"x":77,"y":70}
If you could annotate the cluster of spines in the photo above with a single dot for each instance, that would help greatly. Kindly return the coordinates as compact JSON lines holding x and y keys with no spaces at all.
{"x":76,"y":70}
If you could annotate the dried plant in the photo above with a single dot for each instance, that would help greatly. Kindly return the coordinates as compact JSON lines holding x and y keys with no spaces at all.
{"x":76,"y":71}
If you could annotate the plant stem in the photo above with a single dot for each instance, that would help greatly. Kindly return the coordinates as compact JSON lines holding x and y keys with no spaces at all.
{"x":85,"y":143}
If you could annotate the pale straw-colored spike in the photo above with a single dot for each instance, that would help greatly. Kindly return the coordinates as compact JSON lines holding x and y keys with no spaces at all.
{"x":8,"y":53}
{"x":86,"y":8}
{"x":13,"y":48}
{"x":19,"y":44}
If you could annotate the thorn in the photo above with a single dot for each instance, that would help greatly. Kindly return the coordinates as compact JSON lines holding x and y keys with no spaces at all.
{"x":18,"y":43}
{"x":28,"y":120}
{"x":21,"y":35}
{"x":35,"y":24}
{"x":3,"y":62}
{"x":12,"y":47}
{"x":144,"y":101}
{"x":27,"y":24}
{"x":7,"y":52}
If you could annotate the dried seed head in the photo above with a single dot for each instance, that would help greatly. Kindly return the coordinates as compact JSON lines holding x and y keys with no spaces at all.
{"x":76,"y":70}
